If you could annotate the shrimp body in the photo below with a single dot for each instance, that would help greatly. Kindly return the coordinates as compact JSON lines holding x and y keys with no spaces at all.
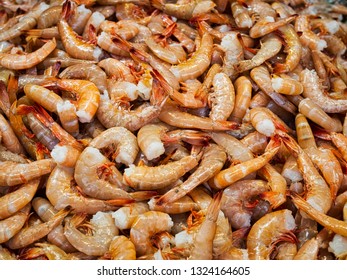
{"x":30,"y":234}
{"x":194,"y":66}
{"x":152,"y":178}
{"x":266,"y":231}
{"x":223,"y":97}
{"x":25,"y":61}
{"x":9,"y":138}
{"x":97,"y":244}
{"x":13,"y":173}
{"x":179,"y":206}
{"x":145,"y":226}
{"x":243,"y":89}
{"x":60,"y":193}
{"x":126,"y":215}
{"x":212,"y":162}
{"x":121,"y":248}
{"x":236,"y":172}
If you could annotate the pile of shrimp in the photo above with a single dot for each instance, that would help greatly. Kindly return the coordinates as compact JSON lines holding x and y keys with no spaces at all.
{"x":196,"y":129}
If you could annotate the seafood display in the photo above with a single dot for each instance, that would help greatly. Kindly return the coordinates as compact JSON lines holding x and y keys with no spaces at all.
{"x":173,"y":130}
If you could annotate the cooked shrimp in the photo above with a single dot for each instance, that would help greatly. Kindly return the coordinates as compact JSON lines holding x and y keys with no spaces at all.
{"x":172,"y":115}
{"x":181,"y":205}
{"x":236,"y":172}
{"x":241,"y":15}
{"x":263,"y":79}
{"x":60,"y":193}
{"x":270,"y":46}
{"x":25,"y":61}
{"x":97,"y":244}
{"x":286,"y":85}
{"x":186,"y":10}
{"x":235,"y":199}
{"x":200,"y":60}
{"x":145,"y":226}
{"x":152,"y":178}
{"x":222,"y":99}
{"x":243,"y":89}
{"x":317,"y":190}
{"x":121,"y":248}
{"x":13,"y":173}
{"x":90,"y":72}
{"x":74,"y":46}
{"x":267,"y":25}
{"x":117,"y":70}
{"x":315,"y":113}
{"x":30,"y":234}
{"x":49,"y":17}
{"x":286,"y":251}
{"x":267,"y":231}
{"x":308,"y":251}
{"x":203,"y":240}
{"x":9,"y":138}
{"x":46,"y":211}
{"x":212,"y":162}
{"x":50,"y":251}
{"x":10,"y":226}
{"x":255,"y":141}
{"x":335,"y":225}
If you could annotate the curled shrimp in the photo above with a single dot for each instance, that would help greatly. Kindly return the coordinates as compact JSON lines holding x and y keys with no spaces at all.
{"x":268,"y":230}
{"x":335,"y":225}
{"x":90,"y":72}
{"x":200,"y":60}
{"x":286,"y":85}
{"x":145,"y":226}
{"x":9,"y":138}
{"x":97,"y":244}
{"x":10,"y":226}
{"x":313,"y":90}
{"x":235,"y":199}
{"x":236,"y":172}
{"x":116,"y":69}
{"x":212,"y":162}
{"x":50,"y":251}
{"x":30,"y":234}
{"x":60,"y":192}
{"x":126,"y":215}
{"x":151,"y":178}
{"x":25,"y":61}
{"x":121,"y":248}
{"x":241,"y":15}
{"x":271,"y":45}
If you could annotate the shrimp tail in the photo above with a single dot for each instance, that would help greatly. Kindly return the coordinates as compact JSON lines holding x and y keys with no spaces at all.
{"x":32,"y":253}
{"x":159,"y":93}
{"x":67,"y":10}
{"x":229,"y":125}
{"x":280,"y":68}
{"x":120,"y":201}
{"x":321,"y":134}
{"x":214,"y":207}
{"x":274,"y":198}
{"x":189,"y":136}
{"x":143,"y":195}
{"x":158,"y":4}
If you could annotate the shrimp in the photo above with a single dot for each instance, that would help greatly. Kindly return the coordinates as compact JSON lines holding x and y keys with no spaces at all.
{"x":9,"y":138}
{"x":172,"y":115}
{"x":222,"y":99}
{"x":152,"y":178}
{"x":10,"y":226}
{"x":145,"y":226}
{"x":60,"y":193}
{"x":211,"y":163}
{"x":313,"y":90}
{"x":203,"y":240}
{"x":180,"y":205}
{"x":25,"y":61}
{"x":236,"y":172}
{"x":200,"y":60}
{"x":308,"y":251}
{"x":318,"y":193}
{"x":286,"y":85}
{"x":267,"y":231}
{"x":338,"y":246}
{"x":5,"y":254}
{"x":255,"y":141}
{"x":315,"y":113}
{"x":262,"y":78}
{"x":13,"y":173}
{"x":94,"y":23}
{"x":235,"y":199}
{"x":97,"y":244}
{"x":286,"y":251}
{"x":149,"y":140}
{"x":74,"y":46}
{"x":241,"y":15}
{"x":90,"y":72}
{"x":121,"y":248}
{"x":49,"y":17}
{"x":50,"y":251}
{"x":290,"y":170}
{"x":30,"y":234}
{"x":105,"y":42}
{"x":25,"y":22}
{"x":335,"y":225}
{"x":186,"y":10}
{"x":270,"y":46}
{"x":110,"y":115}
{"x":243,"y":89}
{"x":46,"y":211}
{"x":117,"y":70}
{"x":267,"y":25}
{"x":126,"y":215}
